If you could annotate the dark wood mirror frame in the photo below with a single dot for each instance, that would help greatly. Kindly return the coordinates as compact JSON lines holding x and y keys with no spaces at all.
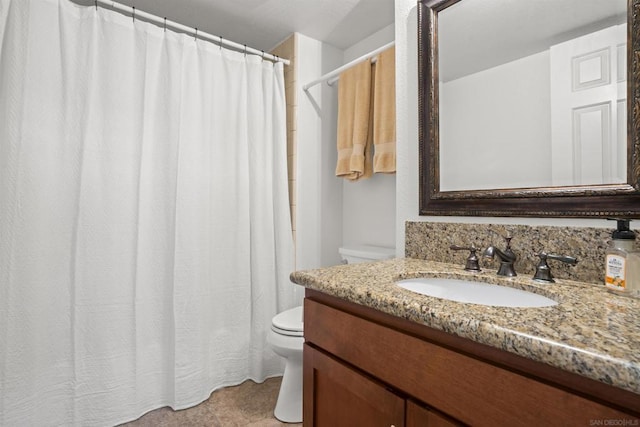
{"x":599,"y":201}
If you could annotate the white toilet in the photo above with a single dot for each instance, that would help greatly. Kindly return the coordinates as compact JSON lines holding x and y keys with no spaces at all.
{"x":355,"y":254}
{"x":286,"y":339}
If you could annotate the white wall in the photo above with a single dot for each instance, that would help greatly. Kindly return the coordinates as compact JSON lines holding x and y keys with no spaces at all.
{"x":370,"y":43}
{"x":369,"y":204}
{"x":406,"y":118}
{"x":497,"y":124}
{"x":318,"y":193}
{"x":407,"y":134}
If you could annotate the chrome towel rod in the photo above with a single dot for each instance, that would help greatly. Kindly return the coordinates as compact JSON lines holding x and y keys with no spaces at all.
{"x":166,"y":23}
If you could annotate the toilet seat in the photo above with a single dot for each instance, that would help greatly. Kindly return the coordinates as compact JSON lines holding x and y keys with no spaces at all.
{"x":288,"y":323}
{"x":286,"y":332}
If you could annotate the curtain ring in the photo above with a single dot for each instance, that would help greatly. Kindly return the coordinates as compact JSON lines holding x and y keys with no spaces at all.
{"x":195,"y":36}
{"x":245,"y":50}
{"x":220,"y":42}
{"x":165,"y":24}
{"x":133,"y":14}
{"x":96,"y":3}
{"x":263,"y":56}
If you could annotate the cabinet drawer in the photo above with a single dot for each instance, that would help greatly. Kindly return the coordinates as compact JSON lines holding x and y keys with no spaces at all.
{"x":419,"y":416}
{"x":463,"y":387}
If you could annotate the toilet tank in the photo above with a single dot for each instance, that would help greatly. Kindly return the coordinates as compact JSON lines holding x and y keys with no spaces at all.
{"x":353,"y":254}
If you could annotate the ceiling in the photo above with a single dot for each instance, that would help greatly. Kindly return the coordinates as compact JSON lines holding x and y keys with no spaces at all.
{"x":263,"y":24}
{"x":475,"y":35}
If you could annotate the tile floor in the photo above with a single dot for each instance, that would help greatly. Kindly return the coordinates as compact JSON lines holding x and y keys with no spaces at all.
{"x":248,"y":404}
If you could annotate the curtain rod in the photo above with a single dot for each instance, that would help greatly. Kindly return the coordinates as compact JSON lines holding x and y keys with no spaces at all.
{"x":337,"y":71}
{"x":167,"y":23}
{"x":332,"y":80}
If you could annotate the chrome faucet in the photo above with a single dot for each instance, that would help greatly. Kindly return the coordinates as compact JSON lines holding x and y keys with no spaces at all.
{"x":506,"y":257}
{"x":543,"y":272}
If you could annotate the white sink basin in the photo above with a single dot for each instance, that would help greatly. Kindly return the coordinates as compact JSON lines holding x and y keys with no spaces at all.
{"x":475,"y":292}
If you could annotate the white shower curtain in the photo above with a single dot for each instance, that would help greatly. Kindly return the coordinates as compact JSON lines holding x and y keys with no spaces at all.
{"x":145,"y":238}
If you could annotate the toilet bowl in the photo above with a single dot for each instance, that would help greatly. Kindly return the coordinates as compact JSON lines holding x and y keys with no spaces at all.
{"x":286,"y":339}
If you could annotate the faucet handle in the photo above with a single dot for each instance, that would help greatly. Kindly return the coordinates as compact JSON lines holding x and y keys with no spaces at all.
{"x":543,"y":271}
{"x":472,"y":263}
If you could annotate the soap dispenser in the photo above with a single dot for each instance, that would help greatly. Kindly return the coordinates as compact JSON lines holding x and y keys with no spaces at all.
{"x":622,"y":262}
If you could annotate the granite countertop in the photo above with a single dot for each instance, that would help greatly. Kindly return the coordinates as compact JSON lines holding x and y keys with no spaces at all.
{"x":591,"y":332}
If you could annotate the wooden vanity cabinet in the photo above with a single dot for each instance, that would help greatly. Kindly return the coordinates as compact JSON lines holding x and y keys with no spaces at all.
{"x":366,"y":368}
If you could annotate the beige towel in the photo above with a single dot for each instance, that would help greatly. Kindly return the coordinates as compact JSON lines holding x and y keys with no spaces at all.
{"x":354,"y":117}
{"x":384,"y":113}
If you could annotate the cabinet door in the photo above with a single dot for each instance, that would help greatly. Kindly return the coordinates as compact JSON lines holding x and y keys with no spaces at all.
{"x":336,"y":395}
{"x":419,"y":416}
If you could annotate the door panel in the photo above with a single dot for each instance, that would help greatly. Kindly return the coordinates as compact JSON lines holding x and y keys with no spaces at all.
{"x":588,"y":116}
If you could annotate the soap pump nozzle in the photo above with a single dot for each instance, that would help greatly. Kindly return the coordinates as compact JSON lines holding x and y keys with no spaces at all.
{"x":623,"y":232}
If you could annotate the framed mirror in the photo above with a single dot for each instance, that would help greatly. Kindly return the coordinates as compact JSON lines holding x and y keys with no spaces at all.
{"x":529,"y":108}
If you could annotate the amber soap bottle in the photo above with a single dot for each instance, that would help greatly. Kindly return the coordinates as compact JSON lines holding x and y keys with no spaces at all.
{"x":622,"y":261}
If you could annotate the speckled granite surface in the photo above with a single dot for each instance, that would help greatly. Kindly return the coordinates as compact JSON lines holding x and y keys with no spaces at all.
{"x":431,"y":240}
{"x":590,"y":332}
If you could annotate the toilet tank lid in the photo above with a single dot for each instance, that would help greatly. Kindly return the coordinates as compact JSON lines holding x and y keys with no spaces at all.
{"x":368,"y":251}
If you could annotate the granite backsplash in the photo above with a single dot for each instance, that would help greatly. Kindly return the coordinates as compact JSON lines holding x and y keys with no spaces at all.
{"x":431,"y":241}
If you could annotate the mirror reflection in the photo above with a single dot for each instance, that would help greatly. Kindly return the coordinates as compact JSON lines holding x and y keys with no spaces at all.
{"x":532,"y":94}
